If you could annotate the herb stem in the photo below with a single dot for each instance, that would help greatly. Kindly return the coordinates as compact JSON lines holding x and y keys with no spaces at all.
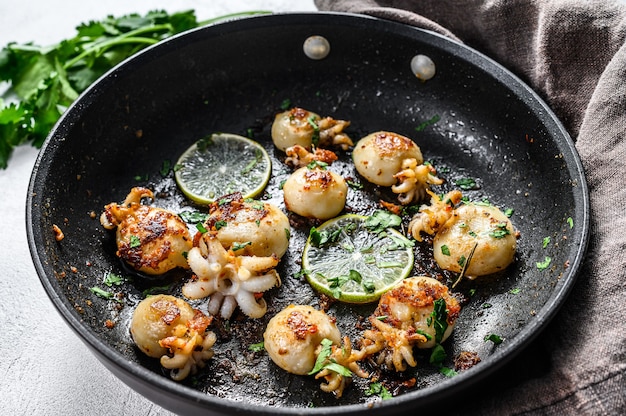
{"x":128,"y":37}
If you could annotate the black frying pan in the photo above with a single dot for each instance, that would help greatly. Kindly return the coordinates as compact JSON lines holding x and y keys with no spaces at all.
{"x":233,"y":77}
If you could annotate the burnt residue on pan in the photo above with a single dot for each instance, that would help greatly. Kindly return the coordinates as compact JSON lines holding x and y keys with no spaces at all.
{"x":482,"y":123}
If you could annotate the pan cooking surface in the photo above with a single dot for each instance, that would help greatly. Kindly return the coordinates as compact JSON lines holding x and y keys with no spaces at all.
{"x":476,"y":120}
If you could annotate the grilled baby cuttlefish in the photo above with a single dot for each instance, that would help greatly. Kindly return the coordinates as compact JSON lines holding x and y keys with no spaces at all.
{"x":390,"y":159}
{"x":168,"y":328}
{"x":152,"y":240}
{"x":305,"y":341}
{"x":419,"y":312}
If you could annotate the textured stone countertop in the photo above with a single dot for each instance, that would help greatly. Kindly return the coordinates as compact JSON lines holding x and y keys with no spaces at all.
{"x":45,"y":368}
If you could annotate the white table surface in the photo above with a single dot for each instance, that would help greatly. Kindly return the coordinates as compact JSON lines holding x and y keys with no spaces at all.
{"x":45,"y":368}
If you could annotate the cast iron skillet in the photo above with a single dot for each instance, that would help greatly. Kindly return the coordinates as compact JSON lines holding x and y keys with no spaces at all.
{"x":233,"y":77}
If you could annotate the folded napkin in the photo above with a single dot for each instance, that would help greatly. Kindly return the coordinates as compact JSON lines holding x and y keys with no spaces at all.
{"x":573,"y":54}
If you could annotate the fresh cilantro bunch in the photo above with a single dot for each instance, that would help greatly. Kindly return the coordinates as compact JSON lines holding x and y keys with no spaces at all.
{"x":44,"y":81}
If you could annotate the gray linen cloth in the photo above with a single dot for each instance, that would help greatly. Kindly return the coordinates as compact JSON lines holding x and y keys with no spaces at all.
{"x":573,"y":53}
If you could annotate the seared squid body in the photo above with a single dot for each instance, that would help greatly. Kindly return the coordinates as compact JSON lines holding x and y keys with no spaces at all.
{"x":307,"y":129}
{"x":315,"y":192}
{"x":168,"y":328}
{"x":296,"y":336}
{"x":230,"y":280}
{"x":482,"y":231}
{"x":379,"y":156}
{"x":152,"y":240}
{"x":249,"y":227}
{"x":408,"y":316}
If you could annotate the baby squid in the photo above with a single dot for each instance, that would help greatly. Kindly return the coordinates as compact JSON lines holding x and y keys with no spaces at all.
{"x":478,"y":234}
{"x":303,"y":340}
{"x":168,"y":328}
{"x":151,"y":240}
{"x":298,"y":126}
{"x":315,"y":192}
{"x":418,"y":312}
{"x":389,"y":159}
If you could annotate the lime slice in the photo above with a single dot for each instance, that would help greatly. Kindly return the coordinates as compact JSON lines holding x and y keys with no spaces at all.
{"x":221,"y":164}
{"x":349,"y":261}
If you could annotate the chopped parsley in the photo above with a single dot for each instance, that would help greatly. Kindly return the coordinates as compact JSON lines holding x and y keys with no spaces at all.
{"x":220,"y":224}
{"x":193,"y":217}
{"x":324,"y":362}
{"x":501,"y":231}
{"x":317,"y":164}
{"x":545,"y":242}
{"x":285,"y":104}
{"x":437,"y":355}
{"x":316,"y":130}
{"x":466,"y":184}
{"x":102,"y":293}
{"x":542,"y":265}
{"x":354,"y":185}
{"x":439,"y":318}
{"x":496,"y":339}
{"x":240,"y":246}
{"x":381,"y":220}
{"x":378,"y":389}
{"x":428,"y":122}
{"x":445,"y":250}
{"x":166,"y":166}
{"x":134,"y":241}
{"x":319,"y":238}
{"x":448,"y":372}
{"x":258,"y":347}
{"x":111,"y":279}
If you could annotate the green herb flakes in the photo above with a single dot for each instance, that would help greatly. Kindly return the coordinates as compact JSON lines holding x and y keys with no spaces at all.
{"x":466,"y":184}
{"x":378,"y":389}
{"x":240,"y":246}
{"x":496,"y":339}
{"x":134,"y":241}
{"x":542,"y":265}
{"x":102,"y":293}
{"x":428,"y":122}
{"x":193,"y":217}
{"x":258,"y":347}
{"x":381,"y":220}
{"x":111,"y":279}
{"x":448,"y":372}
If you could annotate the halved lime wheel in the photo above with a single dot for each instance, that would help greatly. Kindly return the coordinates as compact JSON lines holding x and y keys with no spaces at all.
{"x":351,"y":262}
{"x":221,"y":164}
